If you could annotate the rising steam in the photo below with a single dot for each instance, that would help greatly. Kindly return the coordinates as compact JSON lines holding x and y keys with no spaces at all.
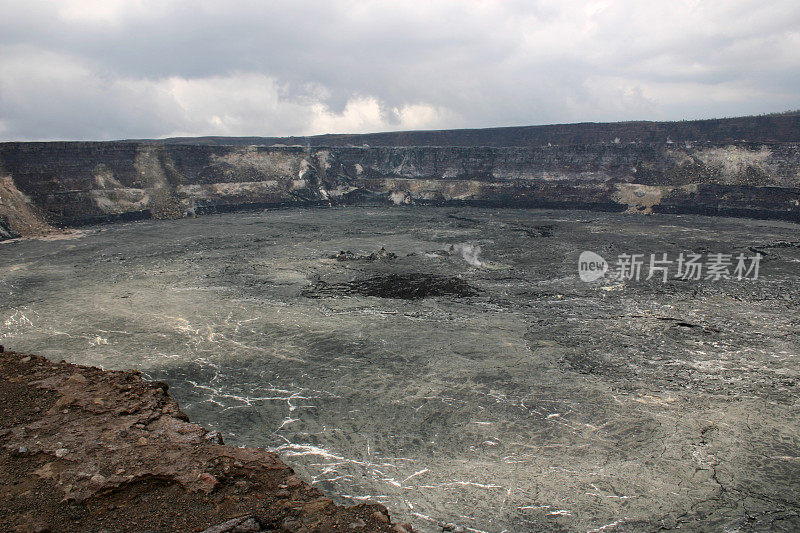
{"x":470,"y":253}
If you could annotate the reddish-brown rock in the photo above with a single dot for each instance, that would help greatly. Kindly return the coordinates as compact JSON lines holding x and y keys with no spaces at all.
{"x":83,"y":449}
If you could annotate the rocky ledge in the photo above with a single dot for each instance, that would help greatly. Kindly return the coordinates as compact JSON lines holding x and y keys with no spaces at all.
{"x":83,"y":449}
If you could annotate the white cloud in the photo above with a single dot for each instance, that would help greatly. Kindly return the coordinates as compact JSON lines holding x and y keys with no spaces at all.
{"x":245,"y":104}
{"x":100,"y":11}
{"x":360,"y":114}
{"x":365,"y":114}
{"x":60,"y":94}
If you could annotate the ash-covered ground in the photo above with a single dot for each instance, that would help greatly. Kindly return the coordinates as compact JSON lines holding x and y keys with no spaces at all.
{"x":465,"y":373}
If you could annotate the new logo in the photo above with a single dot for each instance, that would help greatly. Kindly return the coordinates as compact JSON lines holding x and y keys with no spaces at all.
{"x":591,"y":266}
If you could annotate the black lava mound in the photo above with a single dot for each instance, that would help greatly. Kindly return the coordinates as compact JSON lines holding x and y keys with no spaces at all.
{"x":347,"y":255}
{"x":402,"y":286}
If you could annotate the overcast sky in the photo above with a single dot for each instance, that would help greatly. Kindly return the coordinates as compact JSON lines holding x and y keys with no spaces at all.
{"x":112,"y":69}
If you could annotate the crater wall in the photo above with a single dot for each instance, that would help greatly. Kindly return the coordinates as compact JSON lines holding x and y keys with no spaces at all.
{"x":74,"y":183}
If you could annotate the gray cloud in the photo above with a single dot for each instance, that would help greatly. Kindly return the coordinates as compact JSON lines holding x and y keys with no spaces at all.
{"x":103,"y":69}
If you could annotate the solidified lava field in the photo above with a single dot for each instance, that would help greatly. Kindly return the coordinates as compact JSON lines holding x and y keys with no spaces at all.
{"x":465,"y":374}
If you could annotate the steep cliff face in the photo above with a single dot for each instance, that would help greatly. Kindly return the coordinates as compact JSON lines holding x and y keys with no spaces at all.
{"x":70,"y":183}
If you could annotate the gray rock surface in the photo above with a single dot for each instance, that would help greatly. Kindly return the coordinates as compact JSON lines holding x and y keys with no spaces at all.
{"x":537,"y":402}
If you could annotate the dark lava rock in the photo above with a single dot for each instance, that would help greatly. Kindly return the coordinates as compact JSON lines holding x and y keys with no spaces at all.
{"x":382,"y":254}
{"x":402,"y":286}
{"x":5,"y":229}
{"x":215,"y":437}
{"x":344,"y":255}
{"x":347,"y":255}
{"x":163,"y":385}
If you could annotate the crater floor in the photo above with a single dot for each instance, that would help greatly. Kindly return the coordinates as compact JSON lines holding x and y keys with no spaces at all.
{"x":473,"y":378}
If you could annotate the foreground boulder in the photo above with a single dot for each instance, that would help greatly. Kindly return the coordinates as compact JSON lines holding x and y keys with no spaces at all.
{"x":82,"y":449}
